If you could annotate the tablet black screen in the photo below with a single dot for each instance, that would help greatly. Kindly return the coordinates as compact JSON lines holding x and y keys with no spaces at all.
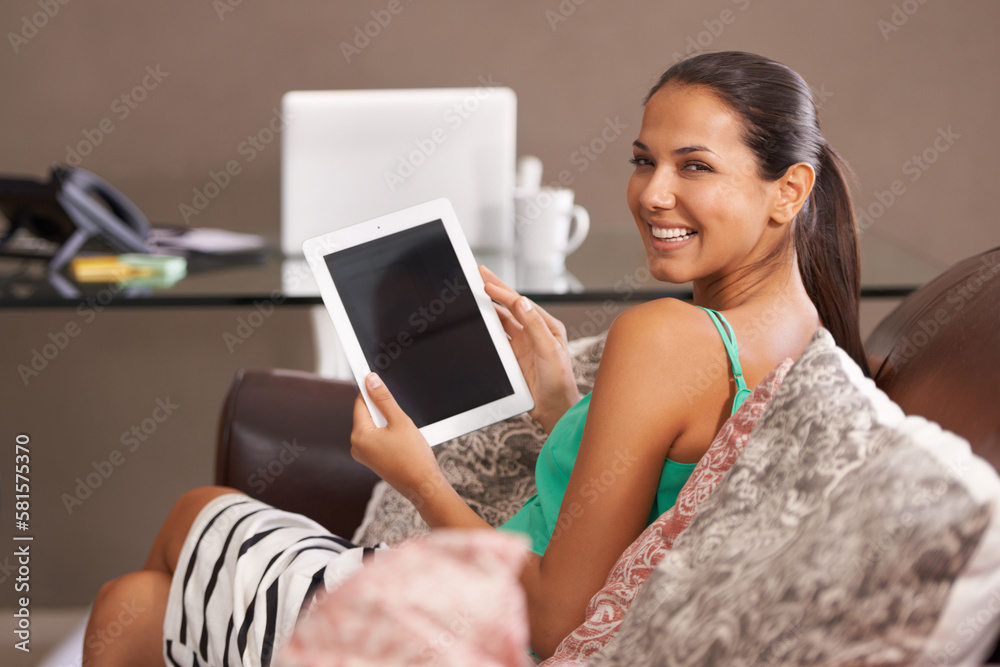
{"x":418,"y":323}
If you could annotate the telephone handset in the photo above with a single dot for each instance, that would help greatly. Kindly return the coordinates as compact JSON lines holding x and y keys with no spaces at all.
{"x":75,"y":209}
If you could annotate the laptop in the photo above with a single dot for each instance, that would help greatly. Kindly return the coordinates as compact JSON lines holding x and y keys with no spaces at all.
{"x":353,"y":155}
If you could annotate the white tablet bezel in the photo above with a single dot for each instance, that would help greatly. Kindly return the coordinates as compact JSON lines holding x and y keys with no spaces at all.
{"x":316,"y":249}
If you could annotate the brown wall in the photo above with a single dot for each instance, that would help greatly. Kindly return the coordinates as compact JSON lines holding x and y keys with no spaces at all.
{"x":895,"y":76}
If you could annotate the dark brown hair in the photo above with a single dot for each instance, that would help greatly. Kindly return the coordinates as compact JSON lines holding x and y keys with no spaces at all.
{"x":781,"y":127}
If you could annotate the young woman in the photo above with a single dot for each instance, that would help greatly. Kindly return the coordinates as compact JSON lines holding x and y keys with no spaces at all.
{"x":734,"y":190}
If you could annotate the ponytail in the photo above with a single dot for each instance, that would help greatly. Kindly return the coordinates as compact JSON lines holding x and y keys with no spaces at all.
{"x":829,"y":255}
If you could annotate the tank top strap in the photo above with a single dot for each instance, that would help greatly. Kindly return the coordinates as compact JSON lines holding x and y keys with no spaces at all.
{"x":729,"y":340}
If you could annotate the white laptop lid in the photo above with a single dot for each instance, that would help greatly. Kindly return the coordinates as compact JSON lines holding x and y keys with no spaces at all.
{"x":352,"y":155}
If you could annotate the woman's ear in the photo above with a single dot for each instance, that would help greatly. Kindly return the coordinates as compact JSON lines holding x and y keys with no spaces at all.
{"x":793,"y":188}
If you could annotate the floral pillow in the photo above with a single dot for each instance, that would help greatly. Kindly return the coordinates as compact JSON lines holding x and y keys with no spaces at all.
{"x":608,"y":607}
{"x":846,"y":533}
{"x":493,"y":468}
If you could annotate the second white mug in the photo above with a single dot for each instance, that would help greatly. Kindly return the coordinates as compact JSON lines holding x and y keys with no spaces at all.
{"x":549,"y":227}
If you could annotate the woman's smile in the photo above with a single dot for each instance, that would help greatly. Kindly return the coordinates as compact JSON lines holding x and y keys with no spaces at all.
{"x":671,"y":237}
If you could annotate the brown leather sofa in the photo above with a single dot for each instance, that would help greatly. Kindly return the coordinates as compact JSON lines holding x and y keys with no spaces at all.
{"x":936,"y":355}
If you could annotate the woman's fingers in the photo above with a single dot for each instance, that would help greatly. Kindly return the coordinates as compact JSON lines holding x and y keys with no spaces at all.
{"x":545,"y":341}
{"x":511,"y":300}
{"x":362,"y":417}
{"x":502,"y":294}
{"x":398,"y":453}
{"x":498,"y":290}
{"x":505,"y":300}
{"x":382,"y":398}
{"x":508,"y":321}
{"x":554,"y":324}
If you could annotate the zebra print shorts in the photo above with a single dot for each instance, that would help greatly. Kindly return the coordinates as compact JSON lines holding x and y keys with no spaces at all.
{"x":245,"y":572}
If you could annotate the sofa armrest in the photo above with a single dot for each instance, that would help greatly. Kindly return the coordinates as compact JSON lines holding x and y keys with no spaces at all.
{"x":938,"y":353}
{"x":284,"y":438}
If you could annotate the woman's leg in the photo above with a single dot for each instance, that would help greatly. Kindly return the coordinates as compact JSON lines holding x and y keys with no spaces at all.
{"x":167,"y":546}
{"x":126,"y":621}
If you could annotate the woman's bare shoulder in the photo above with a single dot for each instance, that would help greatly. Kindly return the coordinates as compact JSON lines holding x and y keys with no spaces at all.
{"x":659,"y":321}
{"x":666,"y":340}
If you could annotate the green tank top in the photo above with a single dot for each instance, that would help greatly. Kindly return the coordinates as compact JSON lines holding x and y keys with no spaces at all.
{"x":537,"y":519}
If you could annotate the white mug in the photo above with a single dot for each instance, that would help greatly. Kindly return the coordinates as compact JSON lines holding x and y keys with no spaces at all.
{"x":548,"y":227}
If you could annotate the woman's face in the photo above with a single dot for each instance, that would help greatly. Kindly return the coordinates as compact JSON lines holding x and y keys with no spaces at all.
{"x":701,"y":207}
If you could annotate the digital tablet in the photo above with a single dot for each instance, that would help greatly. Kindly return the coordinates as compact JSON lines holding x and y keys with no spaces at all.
{"x":407,"y":301}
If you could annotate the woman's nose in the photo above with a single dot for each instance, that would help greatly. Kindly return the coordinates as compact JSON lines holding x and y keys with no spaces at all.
{"x":658,"y":192}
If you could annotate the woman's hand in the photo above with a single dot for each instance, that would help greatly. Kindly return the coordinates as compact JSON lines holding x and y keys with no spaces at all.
{"x":398,"y":453}
{"x":539,"y":343}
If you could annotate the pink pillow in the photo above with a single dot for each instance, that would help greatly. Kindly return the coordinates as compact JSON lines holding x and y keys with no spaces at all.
{"x":450,"y":598}
{"x":608,"y":607}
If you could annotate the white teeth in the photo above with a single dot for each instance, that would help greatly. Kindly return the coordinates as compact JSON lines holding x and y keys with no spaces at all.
{"x":674,"y":233}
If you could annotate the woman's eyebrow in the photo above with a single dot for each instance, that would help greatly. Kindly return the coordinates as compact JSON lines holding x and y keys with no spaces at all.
{"x":694,"y":149}
{"x":680,"y":151}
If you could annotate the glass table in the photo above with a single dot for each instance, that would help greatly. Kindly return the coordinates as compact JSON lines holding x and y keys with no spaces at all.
{"x":609,"y":266}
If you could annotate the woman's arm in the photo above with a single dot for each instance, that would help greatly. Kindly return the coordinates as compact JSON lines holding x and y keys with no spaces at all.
{"x":636,"y":413}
